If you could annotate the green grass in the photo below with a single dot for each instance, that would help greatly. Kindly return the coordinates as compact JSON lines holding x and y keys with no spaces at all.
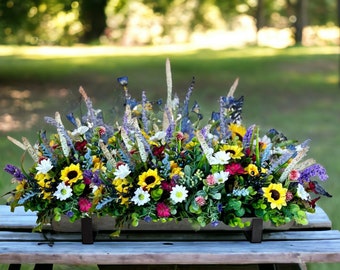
{"x":295,"y":90}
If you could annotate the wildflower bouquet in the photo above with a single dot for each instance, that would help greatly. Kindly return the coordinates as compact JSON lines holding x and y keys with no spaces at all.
{"x":161,"y":164}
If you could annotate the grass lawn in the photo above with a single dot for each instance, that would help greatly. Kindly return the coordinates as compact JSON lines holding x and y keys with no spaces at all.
{"x":295,"y":90}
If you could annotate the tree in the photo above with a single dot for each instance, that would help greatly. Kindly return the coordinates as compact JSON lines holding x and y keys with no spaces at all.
{"x":93,"y":18}
{"x":299,"y":11}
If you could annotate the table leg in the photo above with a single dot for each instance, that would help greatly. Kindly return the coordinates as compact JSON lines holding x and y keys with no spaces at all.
{"x":43,"y":267}
{"x":14,"y":267}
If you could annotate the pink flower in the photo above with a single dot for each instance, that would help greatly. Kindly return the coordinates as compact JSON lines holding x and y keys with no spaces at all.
{"x":180,"y":136}
{"x":294,"y":175}
{"x":163,"y":211}
{"x":234,"y":168}
{"x":200,"y":200}
{"x":102,"y":131}
{"x":211,"y":180}
{"x":84,"y":205}
{"x":289,"y":196}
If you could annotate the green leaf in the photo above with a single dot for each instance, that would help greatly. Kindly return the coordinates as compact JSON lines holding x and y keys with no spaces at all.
{"x":234,"y":204}
{"x":156,"y":194}
{"x":240,"y":212}
{"x":187,"y":170}
{"x":216,"y":196}
{"x":78,"y":189}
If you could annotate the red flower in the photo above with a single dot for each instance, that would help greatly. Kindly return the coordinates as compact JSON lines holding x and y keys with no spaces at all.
{"x":84,"y":205}
{"x":158,"y":151}
{"x":163,"y":211}
{"x":312,"y":203}
{"x":250,"y":154}
{"x":234,"y":168}
{"x":167,"y":186}
{"x":80,"y":146}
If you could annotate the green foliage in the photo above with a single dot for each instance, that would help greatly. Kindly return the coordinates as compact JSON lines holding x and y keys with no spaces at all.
{"x":65,"y":22}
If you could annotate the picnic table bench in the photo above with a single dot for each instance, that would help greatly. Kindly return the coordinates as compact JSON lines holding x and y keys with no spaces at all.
{"x":207,"y":249}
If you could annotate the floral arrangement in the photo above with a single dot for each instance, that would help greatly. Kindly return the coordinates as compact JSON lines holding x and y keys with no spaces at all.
{"x":161,"y":164}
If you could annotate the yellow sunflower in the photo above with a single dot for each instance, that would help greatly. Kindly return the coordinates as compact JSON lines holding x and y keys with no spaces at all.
{"x":98,"y":164}
{"x":122,"y":186}
{"x":149,"y":179}
{"x":234,"y":150}
{"x":175,"y":169}
{"x":237,"y":130}
{"x":71,"y":174}
{"x":252,"y":170}
{"x":190,"y":145}
{"x":44,"y":180}
{"x":276,"y":195}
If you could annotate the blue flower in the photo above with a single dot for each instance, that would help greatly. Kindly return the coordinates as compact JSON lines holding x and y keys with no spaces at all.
{"x":123,"y":81}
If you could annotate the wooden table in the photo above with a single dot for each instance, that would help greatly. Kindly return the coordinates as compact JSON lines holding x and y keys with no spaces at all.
{"x":207,"y":249}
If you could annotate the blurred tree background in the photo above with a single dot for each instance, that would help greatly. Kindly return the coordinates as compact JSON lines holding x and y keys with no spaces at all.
{"x":148,"y":22}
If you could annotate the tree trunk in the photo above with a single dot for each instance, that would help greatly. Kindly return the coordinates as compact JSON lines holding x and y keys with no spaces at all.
{"x":93,"y":18}
{"x":301,"y":20}
{"x":339,"y":13}
{"x":260,"y":21}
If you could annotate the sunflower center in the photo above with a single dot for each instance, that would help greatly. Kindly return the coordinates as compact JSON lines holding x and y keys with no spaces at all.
{"x":275,"y":194}
{"x":150,"y":179}
{"x":72,"y":174}
{"x":231,"y":152}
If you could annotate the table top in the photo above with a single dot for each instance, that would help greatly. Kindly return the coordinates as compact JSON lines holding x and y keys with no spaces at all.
{"x":316,"y":242}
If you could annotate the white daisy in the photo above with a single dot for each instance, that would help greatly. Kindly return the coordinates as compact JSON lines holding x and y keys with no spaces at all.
{"x":63,"y":192}
{"x":178,"y":194}
{"x":221,"y":177}
{"x":44,"y":166}
{"x":265,"y":140}
{"x":302,"y":193}
{"x":140,"y":197}
{"x":80,"y":131}
{"x":160,"y":135}
{"x":122,"y":171}
{"x":220,"y":158}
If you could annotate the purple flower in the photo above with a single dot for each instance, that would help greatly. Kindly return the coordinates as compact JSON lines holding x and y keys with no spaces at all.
{"x":313,"y":171}
{"x":15,"y":172}
{"x":90,"y":177}
{"x":223,"y":123}
{"x":214,"y":223}
{"x":69,"y":214}
{"x":96,"y":179}
{"x":144,"y":117}
{"x":247,"y":137}
{"x":87,"y":176}
{"x":219,"y":207}
{"x":148,"y":219}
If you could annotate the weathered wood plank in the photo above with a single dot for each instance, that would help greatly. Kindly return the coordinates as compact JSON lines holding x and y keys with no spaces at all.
{"x":172,"y":236}
{"x":27,"y":220}
{"x":207,"y":252}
